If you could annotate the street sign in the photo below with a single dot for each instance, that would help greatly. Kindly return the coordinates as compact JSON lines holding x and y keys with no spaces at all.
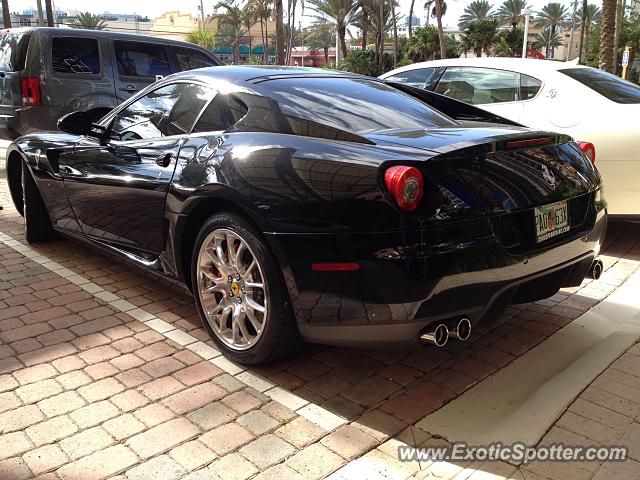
{"x":625,"y":58}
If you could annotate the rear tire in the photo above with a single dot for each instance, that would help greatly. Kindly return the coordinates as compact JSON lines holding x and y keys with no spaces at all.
{"x":37,"y":224}
{"x":240,"y":292}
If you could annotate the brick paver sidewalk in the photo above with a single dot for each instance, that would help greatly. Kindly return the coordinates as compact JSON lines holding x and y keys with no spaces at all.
{"x":105,"y":371}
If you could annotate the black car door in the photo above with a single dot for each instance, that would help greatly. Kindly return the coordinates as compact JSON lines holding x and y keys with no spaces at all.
{"x":117,"y":186}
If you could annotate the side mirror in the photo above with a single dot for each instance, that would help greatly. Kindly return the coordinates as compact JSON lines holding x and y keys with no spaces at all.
{"x":80,"y":123}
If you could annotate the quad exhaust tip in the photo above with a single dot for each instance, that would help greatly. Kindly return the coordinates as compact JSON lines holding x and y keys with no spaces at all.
{"x":437,"y":336}
{"x":596,"y":269}
{"x":461,"y":330}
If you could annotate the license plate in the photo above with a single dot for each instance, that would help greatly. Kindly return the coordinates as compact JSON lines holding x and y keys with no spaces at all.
{"x":551,"y":220}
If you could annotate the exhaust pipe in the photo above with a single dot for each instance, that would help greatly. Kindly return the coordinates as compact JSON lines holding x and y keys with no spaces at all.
{"x":438,"y":336}
{"x":461,"y":330}
{"x":596,"y":269}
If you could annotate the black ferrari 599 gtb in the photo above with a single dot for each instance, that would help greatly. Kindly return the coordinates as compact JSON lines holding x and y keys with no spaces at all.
{"x":307,"y":204}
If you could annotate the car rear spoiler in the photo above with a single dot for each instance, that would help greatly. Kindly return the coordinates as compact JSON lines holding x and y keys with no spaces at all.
{"x":453,"y":108}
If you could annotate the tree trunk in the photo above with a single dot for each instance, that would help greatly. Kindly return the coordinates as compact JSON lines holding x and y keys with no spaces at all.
{"x":607,"y":59}
{"x":582,"y":30}
{"x":280,"y":32}
{"x":6,"y":14}
{"x":395,"y":33}
{"x":364,"y":39}
{"x":266,"y":40}
{"x":342,"y":33}
{"x":443,"y":46}
{"x":410,"y":17}
{"x":264,"y":51}
{"x":326,"y":56}
{"x":49,"y":9}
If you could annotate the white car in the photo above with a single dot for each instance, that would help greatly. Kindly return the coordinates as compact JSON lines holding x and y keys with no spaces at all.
{"x":586,"y":103}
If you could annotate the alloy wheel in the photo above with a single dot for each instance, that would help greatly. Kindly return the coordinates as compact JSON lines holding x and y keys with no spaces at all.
{"x":231,"y":289}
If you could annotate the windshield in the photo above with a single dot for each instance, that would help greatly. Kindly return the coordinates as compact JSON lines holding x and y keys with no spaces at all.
{"x":606,"y":84}
{"x":12,"y":47}
{"x":353,"y":104}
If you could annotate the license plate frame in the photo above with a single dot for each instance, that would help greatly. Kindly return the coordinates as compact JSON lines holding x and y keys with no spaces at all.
{"x":551,"y":220}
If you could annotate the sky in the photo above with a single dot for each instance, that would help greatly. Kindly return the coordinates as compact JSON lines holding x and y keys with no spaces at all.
{"x":152,"y":8}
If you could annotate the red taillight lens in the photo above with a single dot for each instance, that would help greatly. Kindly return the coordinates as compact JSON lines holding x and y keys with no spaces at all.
{"x":405,"y":184}
{"x":31,"y":92}
{"x":589,"y":150}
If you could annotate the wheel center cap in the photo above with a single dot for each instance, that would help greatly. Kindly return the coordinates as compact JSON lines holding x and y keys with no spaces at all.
{"x":235,"y":289}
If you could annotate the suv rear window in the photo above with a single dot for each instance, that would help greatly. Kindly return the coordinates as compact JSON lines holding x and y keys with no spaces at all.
{"x":141,"y":59}
{"x":607,"y":85}
{"x":189,"y":59}
{"x":75,"y":55}
{"x":13,"y":47}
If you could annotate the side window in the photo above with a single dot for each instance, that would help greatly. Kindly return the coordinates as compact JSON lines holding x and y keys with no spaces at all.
{"x":479,"y":86}
{"x":529,"y":86}
{"x":189,"y":59}
{"x":141,"y":59}
{"x":222,"y":113}
{"x":414,"y":78}
{"x":170,"y":110}
{"x":75,"y":55}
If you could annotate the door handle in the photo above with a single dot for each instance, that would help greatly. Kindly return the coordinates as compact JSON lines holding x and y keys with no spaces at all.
{"x":129,"y":88}
{"x":164,"y":160}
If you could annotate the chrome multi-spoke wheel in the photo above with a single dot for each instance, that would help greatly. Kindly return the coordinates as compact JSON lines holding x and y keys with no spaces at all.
{"x":231,"y":289}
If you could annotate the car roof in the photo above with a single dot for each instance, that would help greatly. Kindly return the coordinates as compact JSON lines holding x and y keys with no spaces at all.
{"x":529,"y":66}
{"x":253,"y":73}
{"x":75,"y":32}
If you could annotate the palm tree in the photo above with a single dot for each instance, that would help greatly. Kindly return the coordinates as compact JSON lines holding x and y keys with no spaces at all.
{"x":510,"y":12}
{"x":440,"y":8}
{"x":49,"y":9}
{"x":410,"y":26}
{"x":423,"y":45}
{"x":480,"y":36}
{"x":249,"y":20}
{"x":6,"y":14}
{"x":552,"y":15}
{"x":232,"y":23}
{"x":204,"y":38}
{"x":279,"y":31}
{"x":593,"y":16}
{"x":321,"y":36}
{"x":90,"y":21}
{"x":341,"y":12}
{"x":607,"y":55}
{"x":362,"y":20}
{"x":476,"y":10}
{"x":547,"y":39}
{"x":263,"y":11}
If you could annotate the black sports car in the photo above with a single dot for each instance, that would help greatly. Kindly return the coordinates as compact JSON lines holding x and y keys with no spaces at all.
{"x":299,"y":203}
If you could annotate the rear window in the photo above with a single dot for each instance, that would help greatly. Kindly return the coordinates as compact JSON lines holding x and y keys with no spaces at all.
{"x":352,"y":104}
{"x":419,"y":77}
{"x":13,"y":48}
{"x":606,"y":84}
{"x":223,"y":112}
{"x":75,"y":55}
{"x":141,"y":59}
{"x":189,"y":59}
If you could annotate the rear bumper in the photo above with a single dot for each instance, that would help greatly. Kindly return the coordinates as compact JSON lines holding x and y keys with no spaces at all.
{"x":391,"y":299}
{"x":18,"y":121}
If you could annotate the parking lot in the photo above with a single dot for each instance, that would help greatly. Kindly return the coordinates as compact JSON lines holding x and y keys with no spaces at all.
{"x":105,"y":371}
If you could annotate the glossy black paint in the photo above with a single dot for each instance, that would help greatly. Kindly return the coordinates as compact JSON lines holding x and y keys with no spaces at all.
{"x":317,"y":193}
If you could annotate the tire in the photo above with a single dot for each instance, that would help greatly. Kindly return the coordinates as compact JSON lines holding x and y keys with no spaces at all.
{"x":231,"y":292}
{"x":37,"y":224}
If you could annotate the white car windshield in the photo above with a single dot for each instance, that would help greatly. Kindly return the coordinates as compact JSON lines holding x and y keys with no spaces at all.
{"x":606,"y":84}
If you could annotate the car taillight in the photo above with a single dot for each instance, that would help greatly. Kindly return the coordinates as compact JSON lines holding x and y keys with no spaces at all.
{"x":406,"y":186}
{"x":589,"y":150}
{"x":31,"y":92}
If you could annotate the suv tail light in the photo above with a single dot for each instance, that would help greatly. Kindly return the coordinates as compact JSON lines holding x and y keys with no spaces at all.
{"x":589,"y":150}
{"x":406,"y":186}
{"x":31,"y":91}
